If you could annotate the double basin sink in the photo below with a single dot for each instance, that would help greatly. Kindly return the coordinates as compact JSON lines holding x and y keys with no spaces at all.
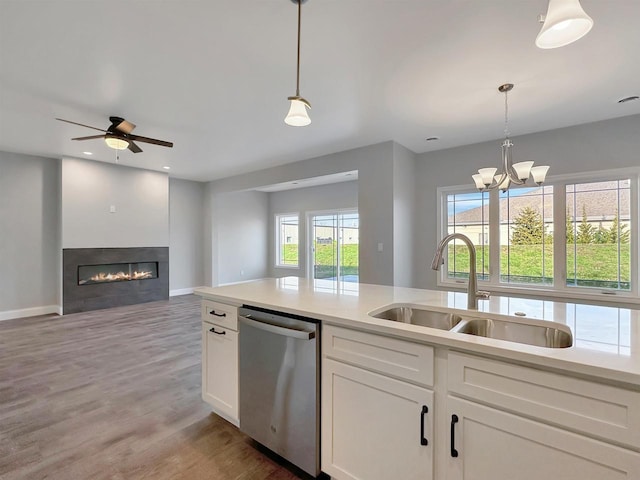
{"x":532,"y":332}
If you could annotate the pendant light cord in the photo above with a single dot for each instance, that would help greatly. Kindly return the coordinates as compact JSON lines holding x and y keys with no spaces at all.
{"x":298,"y":69}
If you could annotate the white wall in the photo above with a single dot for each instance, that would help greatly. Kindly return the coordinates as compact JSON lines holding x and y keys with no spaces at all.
{"x":186,"y":235}
{"x":404,"y":163}
{"x":240,"y":236}
{"x":303,"y":200}
{"x":595,"y":146}
{"x":30,"y":255}
{"x":140,"y":198}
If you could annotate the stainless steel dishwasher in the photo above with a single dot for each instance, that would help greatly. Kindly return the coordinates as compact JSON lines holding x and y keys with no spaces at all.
{"x":280,"y":385}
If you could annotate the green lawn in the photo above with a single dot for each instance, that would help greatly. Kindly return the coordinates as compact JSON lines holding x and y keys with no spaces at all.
{"x":597,"y":264}
{"x":325,"y":259}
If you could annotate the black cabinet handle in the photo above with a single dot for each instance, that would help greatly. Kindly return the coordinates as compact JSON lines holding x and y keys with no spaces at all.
{"x":213,"y":312}
{"x":213,"y":330}
{"x":454,"y":420}
{"x":423,"y":412}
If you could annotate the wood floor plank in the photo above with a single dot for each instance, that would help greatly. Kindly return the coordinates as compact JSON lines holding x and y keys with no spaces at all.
{"x":115,"y":394}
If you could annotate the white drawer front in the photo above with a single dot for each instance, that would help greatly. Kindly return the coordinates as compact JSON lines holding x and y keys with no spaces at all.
{"x":390,"y":356}
{"x":603,"y":411}
{"x":220,"y":314}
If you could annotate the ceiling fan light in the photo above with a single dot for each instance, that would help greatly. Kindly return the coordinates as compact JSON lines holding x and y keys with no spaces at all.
{"x":298,"y":116}
{"x":523,"y":169}
{"x":565,"y":22}
{"x":116,"y":143}
{"x":539,"y":173}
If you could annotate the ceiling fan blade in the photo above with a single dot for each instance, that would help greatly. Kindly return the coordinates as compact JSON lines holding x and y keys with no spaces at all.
{"x":134,"y":148}
{"x":81,"y":124}
{"x":162,"y":143}
{"x":88,"y":138}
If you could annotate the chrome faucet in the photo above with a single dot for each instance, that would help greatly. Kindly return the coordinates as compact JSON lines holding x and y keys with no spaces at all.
{"x":472,"y":291}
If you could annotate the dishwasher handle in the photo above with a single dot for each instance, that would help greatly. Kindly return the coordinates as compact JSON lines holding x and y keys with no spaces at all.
{"x":278,"y":330}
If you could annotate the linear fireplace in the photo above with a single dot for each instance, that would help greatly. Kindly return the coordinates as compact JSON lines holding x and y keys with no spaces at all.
{"x":96,"y":278}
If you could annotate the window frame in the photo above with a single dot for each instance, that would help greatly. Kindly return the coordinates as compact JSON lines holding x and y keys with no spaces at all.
{"x":559,"y":288}
{"x":278,"y":258}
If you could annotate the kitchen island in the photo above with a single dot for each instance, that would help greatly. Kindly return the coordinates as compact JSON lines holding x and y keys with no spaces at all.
{"x":408,"y":401}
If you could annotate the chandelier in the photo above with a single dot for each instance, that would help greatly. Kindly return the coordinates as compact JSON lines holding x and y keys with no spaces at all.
{"x":564,"y":23}
{"x":511,"y":173}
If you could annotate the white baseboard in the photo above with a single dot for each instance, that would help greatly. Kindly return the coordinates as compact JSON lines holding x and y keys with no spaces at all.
{"x":181,"y":291}
{"x":30,"y":312}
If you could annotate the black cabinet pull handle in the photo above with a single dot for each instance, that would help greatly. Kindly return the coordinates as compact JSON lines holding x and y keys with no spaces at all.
{"x":454,"y":420}
{"x":423,"y":412}
{"x":213,"y":330}
{"x":213,"y":312}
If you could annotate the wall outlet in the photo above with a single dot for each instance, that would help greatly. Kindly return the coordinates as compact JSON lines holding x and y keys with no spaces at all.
{"x":380,"y":247}
{"x":112,"y":209}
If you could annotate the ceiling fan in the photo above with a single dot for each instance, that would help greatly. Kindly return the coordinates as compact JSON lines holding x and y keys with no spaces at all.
{"x":119,"y":136}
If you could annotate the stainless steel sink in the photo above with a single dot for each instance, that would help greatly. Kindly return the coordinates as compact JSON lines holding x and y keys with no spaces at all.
{"x":540,"y":334}
{"x":419,"y":316}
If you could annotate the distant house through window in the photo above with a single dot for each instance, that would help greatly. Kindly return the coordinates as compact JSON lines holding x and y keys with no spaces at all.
{"x":335,"y":238}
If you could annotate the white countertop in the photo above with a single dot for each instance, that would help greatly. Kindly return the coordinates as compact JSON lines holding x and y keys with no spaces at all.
{"x":606,"y":339}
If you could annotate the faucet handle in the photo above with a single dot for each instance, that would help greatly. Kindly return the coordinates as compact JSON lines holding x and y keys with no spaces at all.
{"x":483,"y":294}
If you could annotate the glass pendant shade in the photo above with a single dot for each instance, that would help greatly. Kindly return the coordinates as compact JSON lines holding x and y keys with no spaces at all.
{"x":539,"y":173}
{"x":477,"y":178}
{"x":487,"y":175}
{"x":523,"y":169}
{"x":564,"y":23}
{"x":297,"y":116}
{"x":504,"y":186}
{"x":116,"y":143}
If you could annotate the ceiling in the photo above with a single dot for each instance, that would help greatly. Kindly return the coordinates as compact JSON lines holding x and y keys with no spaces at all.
{"x":213,"y":76}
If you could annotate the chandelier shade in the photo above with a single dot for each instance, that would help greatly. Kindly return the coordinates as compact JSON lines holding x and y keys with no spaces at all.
{"x":298,"y":115}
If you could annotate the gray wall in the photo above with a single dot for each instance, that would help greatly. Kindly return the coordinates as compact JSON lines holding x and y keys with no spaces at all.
{"x":375,"y":200}
{"x":591,"y":147}
{"x":186,"y":235}
{"x":141,"y":199}
{"x":404,"y":163}
{"x":29,"y":234}
{"x":304,"y":200}
{"x":240,"y":236}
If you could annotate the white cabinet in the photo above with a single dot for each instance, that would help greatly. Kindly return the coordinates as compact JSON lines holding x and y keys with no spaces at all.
{"x":220,"y":359}
{"x":374,"y":427}
{"x":492,"y":444}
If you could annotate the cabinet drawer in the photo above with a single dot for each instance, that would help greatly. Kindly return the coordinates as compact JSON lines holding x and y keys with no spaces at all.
{"x":398,"y":358}
{"x":220,"y":313}
{"x":603,"y":411}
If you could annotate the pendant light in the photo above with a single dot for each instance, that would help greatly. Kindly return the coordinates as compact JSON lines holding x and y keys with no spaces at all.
{"x":298,"y":116}
{"x":516,"y":174}
{"x":564,"y":23}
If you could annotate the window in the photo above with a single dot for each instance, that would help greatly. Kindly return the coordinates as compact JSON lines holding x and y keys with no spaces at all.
{"x":526,"y":235}
{"x":335,"y":240}
{"x":287,"y":228}
{"x":468,"y":213}
{"x":576,"y":236}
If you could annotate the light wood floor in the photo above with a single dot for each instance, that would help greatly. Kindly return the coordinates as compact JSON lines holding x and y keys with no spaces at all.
{"x":115,"y":394}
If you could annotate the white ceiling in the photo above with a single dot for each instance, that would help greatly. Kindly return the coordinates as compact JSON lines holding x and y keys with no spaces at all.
{"x":213,"y":76}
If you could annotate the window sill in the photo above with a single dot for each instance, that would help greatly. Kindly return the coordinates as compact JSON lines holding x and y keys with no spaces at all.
{"x":288,"y":267}
{"x":590,"y":297}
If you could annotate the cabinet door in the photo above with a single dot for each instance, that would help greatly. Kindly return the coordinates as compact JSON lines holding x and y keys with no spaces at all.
{"x":492,"y":444}
{"x":220,"y":370}
{"x":372,"y":426}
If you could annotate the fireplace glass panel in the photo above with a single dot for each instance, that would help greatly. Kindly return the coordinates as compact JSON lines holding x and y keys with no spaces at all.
{"x":116,"y":272}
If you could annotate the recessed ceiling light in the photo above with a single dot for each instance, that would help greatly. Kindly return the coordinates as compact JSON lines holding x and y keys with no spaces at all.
{"x":433,"y":139}
{"x":629,"y":99}
{"x":88,"y":153}
{"x":167,"y":168}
